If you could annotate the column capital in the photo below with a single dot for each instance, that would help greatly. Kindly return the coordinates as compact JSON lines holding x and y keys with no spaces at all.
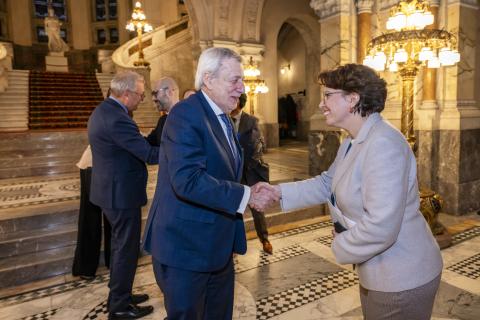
{"x":364,"y":6}
{"x":434,"y":3}
{"x":327,"y":8}
{"x":473,"y":4}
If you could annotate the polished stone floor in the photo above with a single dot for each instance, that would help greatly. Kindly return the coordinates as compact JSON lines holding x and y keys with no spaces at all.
{"x":301,"y":280}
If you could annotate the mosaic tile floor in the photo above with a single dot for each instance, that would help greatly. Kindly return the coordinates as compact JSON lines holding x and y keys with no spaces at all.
{"x":299,"y":281}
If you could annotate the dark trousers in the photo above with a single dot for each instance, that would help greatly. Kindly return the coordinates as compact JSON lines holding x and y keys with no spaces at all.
{"x":89,"y":236}
{"x":123,"y":262}
{"x":190,"y":295}
{"x":260,"y":224}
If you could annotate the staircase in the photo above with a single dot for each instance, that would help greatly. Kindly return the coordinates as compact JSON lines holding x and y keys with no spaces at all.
{"x":40,"y":153}
{"x":41,"y":246}
{"x":14,"y":102}
{"x":59,"y":100}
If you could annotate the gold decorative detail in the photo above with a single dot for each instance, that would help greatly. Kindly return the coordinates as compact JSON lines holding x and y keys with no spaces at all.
{"x":406,"y":49}
{"x":139,"y":24}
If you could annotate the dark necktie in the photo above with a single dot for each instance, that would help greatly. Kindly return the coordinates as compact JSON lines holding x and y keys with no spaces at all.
{"x":348,"y":148}
{"x":231,"y":140}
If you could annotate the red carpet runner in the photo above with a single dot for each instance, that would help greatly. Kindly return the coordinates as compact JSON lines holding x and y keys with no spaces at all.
{"x":62,"y":100}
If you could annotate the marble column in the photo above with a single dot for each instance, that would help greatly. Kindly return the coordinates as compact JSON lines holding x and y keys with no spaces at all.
{"x":20,"y":22}
{"x":80,"y":21}
{"x":364,"y":27}
{"x":454,"y":132}
{"x":124,"y":12}
{"x":427,"y":114}
{"x":336,"y":45}
{"x":430,"y":75}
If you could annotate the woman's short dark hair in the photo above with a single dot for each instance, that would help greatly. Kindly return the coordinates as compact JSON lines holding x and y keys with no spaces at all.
{"x":359,"y":79}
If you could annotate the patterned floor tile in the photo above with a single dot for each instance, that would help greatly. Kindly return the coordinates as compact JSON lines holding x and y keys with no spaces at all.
{"x":469,"y":268}
{"x":295,"y":297}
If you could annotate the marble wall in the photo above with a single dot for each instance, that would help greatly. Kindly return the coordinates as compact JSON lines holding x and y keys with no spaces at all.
{"x":323,"y":146}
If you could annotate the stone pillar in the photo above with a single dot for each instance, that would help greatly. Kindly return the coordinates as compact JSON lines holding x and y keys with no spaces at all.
{"x":456,"y":130}
{"x":335,"y":25}
{"x":124,"y":12}
{"x":20,"y":24}
{"x":364,"y":25}
{"x":80,"y":22}
{"x":430,"y":75}
{"x":427,"y":115}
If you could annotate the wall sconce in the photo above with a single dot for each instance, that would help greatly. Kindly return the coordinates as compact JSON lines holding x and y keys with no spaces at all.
{"x":285,"y":68}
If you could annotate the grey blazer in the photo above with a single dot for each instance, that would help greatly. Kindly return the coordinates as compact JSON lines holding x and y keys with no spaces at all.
{"x":375,"y":185}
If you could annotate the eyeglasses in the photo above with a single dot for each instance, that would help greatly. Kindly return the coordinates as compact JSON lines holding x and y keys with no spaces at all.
{"x":141,"y":95}
{"x":155,"y":92}
{"x":327,"y":94}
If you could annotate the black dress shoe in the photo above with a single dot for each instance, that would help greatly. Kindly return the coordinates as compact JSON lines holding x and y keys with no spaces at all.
{"x":88,"y":278}
{"x":132,"y":312}
{"x":139,"y":298}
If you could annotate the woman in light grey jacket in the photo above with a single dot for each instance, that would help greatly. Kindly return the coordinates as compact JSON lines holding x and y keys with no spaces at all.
{"x":372,"y":192}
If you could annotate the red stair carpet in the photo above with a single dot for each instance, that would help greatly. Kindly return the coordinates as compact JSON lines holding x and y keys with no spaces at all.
{"x":59,"y":100}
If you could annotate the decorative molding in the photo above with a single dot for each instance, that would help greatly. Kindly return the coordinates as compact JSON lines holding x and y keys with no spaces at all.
{"x":328,"y":8}
{"x":364,"y":6}
{"x":387,"y":4}
{"x":434,"y":3}
{"x":251,"y":19}
{"x":223,"y":11}
{"x":472,"y":4}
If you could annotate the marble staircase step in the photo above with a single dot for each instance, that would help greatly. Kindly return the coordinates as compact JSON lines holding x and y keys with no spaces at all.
{"x":35,"y":266}
{"x":40,"y":246}
{"x":30,"y":241}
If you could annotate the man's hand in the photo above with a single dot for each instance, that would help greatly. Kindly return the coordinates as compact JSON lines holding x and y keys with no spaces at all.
{"x":263,"y":195}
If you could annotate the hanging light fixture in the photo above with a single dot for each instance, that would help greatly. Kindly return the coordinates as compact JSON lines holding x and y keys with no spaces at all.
{"x":253,"y":85}
{"x":139,"y":24}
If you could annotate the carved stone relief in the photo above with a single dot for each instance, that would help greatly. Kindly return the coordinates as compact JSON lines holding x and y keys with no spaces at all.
{"x":251,"y":19}
{"x":327,"y":8}
{"x":222,"y":20}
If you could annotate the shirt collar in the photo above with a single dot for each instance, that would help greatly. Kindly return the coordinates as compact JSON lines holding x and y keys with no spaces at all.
{"x":213,"y":105}
{"x":121,"y":104}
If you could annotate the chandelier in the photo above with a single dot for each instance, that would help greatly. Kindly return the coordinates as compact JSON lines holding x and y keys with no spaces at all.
{"x":139,"y":24}
{"x":409,"y":44}
{"x":253,"y":84}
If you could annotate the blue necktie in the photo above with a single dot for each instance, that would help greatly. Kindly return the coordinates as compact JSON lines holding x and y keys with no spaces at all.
{"x":231,"y":140}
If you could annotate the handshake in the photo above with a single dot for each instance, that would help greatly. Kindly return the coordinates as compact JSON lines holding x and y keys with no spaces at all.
{"x":264,"y":195}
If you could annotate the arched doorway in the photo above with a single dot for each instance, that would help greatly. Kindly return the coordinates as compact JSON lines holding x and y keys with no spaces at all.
{"x":291,"y":57}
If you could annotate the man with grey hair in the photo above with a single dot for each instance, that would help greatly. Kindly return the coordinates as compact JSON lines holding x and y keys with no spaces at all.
{"x":165,"y":95}
{"x":119,"y":179}
{"x":195,"y":223}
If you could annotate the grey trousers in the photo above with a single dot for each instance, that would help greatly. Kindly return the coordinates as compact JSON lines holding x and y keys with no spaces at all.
{"x":413,"y":304}
{"x":260,"y":224}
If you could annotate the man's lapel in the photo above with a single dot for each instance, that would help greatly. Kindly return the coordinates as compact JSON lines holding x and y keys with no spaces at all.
{"x":217,"y":128}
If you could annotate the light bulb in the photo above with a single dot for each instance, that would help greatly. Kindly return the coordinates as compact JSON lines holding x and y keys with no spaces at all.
{"x":433,"y":63}
{"x":425,"y":54}
{"x":400,"y":56}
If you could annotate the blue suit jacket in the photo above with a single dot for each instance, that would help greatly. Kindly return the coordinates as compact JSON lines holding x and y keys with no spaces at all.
{"x":193,"y":224}
{"x":119,"y":153}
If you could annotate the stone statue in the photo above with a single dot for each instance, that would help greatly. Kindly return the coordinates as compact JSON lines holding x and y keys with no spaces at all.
{"x":3,"y":69}
{"x":52,"y":28}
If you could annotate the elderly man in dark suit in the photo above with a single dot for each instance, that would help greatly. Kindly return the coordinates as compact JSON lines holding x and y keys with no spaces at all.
{"x":165,"y":95}
{"x":119,"y":179}
{"x":254,"y":168}
{"x":196,"y":219}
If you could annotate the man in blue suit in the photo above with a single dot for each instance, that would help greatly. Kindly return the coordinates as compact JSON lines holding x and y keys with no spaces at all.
{"x":195,"y":222}
{"x":119,"y":179}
